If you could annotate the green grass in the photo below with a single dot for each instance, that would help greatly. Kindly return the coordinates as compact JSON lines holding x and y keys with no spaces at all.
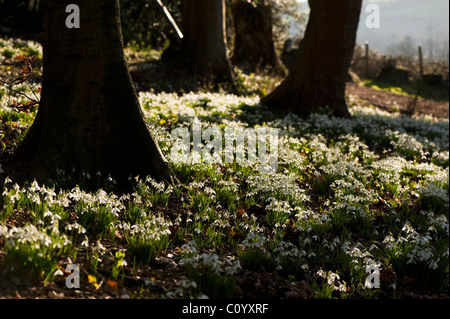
{"x":431,"y":92}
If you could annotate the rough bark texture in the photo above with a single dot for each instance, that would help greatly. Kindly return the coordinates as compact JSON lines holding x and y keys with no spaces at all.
{"x":89,"y":117}
{"x":319,"y":74}
{"x":204,"y":43}
{"x":254,"y":48}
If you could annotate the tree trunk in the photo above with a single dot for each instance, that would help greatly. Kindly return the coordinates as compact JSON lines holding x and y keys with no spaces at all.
{"x":319,"y":74}
{"x":254,"y":49}
{"x":204,"y":42}
{"x":89,"y":118}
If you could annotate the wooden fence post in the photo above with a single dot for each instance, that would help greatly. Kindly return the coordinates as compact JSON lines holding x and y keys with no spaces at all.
{"x":421,"y":61}
{"x":366,"y":66}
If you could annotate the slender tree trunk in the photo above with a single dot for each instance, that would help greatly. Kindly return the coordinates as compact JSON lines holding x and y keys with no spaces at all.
{"x":319,"y":74}
{"x":254,"y":48}
{"x":204,"y":43}
{"x":89,"y":118}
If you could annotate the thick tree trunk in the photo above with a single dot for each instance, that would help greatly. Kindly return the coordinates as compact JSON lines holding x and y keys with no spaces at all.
{"x":319,"y":74}
{"x":254,"y":49}
{"x":204,"y":42}
{"x":89,"y":118}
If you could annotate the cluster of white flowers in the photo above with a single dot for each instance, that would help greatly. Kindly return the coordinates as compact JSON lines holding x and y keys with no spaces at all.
{"x":389,"y":169}
{"x":166,"y":105}
{"x":31,"y":236}
{"x":35,"y":194}
{"x":255,"y":240}
{"x":420,"y":246}
{"x":162,"y":137}
{"x":311,"y":217}
{"x":19,"y":46}
{"x":228,"y":185}
{"x":408,"y":135}
{"x":184,"y":290}
{"x":279,"y":206}
{"x":360,"y":254}
{"x":209,"y":261}
{"x":344,"y":168}
{"x":331,"y":246}
{"x":288,"y":252}
{"x":333,"y":280}
{"x":86,"y":201}
{"x":151,"y":186}
{"x":8,"y":51}
{"x":280,"y":185}
{"x":152,"y":228}
{"x":404,"y":143}
{"x":439,"y":221}
{"x":432,"y":191}
{"x":440,"y":157}
{"x":288,"y":151}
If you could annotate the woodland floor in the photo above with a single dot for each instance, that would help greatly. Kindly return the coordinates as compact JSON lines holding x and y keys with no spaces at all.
{"x":389,"y":101}
{"x":165,"y":272}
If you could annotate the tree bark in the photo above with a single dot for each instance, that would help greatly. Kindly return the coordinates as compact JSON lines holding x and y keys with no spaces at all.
{"x":89,"y":118}
{"x":254,"y":49}
{"x":204,"y":42}
{"x":319,"y":74}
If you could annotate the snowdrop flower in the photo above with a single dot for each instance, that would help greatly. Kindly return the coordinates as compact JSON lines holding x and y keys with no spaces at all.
{"x":85,"y":242}
{"x":58,"y":273}
{"x":321,"y":273}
